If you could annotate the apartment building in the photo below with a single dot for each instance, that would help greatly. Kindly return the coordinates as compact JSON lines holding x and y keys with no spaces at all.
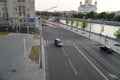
{"x":19,"y":11}
{"x":2,"y":11}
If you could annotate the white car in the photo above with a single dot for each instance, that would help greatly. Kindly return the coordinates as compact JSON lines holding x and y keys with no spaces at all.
{"x":58,"y":42}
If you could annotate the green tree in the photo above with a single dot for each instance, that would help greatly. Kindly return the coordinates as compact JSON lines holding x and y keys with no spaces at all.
{"x":117,"y":35}
{"x":103,"y":15}
{"x":67,"y":21}
{"x":45,"y":17}
{"x":81,"y":15}
{"x":117,"y":18}
{"x":77,"y":23}
{"x":84,"y":25}
{"x":111,"y":16}
{"x":75,"y":15}
{"x":92,"y":15}
{"x":57,"y":19}
{"x":72,"y":22}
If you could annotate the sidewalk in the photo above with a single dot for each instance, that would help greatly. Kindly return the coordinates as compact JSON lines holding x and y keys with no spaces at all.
{"x":95,"y":37}
{"x":30,"y":70}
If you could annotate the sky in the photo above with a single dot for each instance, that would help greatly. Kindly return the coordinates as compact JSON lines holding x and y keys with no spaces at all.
{"x":67,"y":5}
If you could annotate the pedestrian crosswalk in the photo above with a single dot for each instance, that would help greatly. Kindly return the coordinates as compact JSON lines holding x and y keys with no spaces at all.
{"x":70,"y":42}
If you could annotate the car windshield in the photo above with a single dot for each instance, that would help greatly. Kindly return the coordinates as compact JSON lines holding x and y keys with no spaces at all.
{"x":59,"y":41}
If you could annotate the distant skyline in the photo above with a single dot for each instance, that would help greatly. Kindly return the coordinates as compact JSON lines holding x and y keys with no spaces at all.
{"x":67,"y":5}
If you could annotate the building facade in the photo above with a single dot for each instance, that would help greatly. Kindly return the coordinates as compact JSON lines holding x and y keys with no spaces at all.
{"x":19,"y":11}
{"x":87,"y":7}
{"x":2,"y":12}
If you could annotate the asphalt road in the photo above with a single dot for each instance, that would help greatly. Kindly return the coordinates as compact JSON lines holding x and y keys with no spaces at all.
{"x":79,"y":59}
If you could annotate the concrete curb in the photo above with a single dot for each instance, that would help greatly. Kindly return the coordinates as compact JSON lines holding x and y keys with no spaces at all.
{"x":43,"y":60}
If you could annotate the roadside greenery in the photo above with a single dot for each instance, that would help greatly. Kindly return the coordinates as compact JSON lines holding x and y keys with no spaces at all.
{"x":77,"y":23}
{"x":2,"y":34}
{"x":84,"y":25}
{"x":110,"y":16}
{"x":67,"y":21}
{"x":117,"y":35}
{"x":57,"y":19}
{"x":45,"y":17}
{"x":72,"y":22}
{"x":36,"y":37}
{"x":34,"y":54}
{"x":103,"y":16}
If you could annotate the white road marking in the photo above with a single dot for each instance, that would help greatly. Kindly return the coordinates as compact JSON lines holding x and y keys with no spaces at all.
{"x":44,"y":42}
{"x":113,"y":76}
{"x":70,"y":62}
{"x":65,"y":41}
{"x":50,"y":42}
{"x":71,"y":41}
{"x":91,"y":63}
{"x":68,"y":41}
{"x":47,"y":42}
{"x":73,"y":67}
{"x":24,"y":45}
{"x":64,"y":52}
{"x":53,"y":41}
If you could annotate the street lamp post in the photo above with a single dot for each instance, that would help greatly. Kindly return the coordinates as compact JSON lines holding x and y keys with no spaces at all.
{"x":41,"y":38}
{"x":90,"y":31}
{"x":102,"y":29}
{"x":41,"y":42}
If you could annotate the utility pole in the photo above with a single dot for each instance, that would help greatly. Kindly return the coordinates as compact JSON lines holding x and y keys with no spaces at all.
{"x":41,"y":37}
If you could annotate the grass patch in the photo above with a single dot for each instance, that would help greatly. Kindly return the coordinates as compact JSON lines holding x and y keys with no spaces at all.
{"x":2,"y":34}
{"x":34,"y":54}
{"x":36,"y":37}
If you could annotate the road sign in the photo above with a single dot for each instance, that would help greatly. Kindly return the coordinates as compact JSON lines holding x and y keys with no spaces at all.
{"x":32,"y":20}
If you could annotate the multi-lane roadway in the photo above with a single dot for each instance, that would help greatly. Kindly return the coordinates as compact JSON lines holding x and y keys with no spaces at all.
{"x":79,"y":59}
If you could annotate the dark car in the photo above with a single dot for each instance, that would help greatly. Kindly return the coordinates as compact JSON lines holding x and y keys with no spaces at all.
{"x":58,"y":42}
{"x":107,"y":49}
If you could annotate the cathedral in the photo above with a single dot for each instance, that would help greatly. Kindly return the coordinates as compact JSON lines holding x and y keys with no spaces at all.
{"x":87,"y":7}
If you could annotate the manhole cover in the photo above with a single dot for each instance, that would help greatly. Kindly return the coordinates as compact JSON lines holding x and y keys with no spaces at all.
{"x":14,"y":70}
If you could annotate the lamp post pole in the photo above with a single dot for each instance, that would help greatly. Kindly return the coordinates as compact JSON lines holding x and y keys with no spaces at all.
{"x":102,"y":29}
{"x":40,"y":42}
{"x":41,"y":37}
{"x":90,"y":30}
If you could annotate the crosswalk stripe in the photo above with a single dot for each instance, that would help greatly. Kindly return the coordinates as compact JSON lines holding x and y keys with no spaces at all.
{"x":53,"y":41}
{"x":69,"y":42}
{"x":47,"y":41}
{"x":50,"y":42}
{"x":44,"y":42}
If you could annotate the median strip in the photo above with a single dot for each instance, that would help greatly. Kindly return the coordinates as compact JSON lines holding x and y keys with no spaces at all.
{"x":36,"y":37}
{"x":3,"y":34}
{"x":34,"y":54}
